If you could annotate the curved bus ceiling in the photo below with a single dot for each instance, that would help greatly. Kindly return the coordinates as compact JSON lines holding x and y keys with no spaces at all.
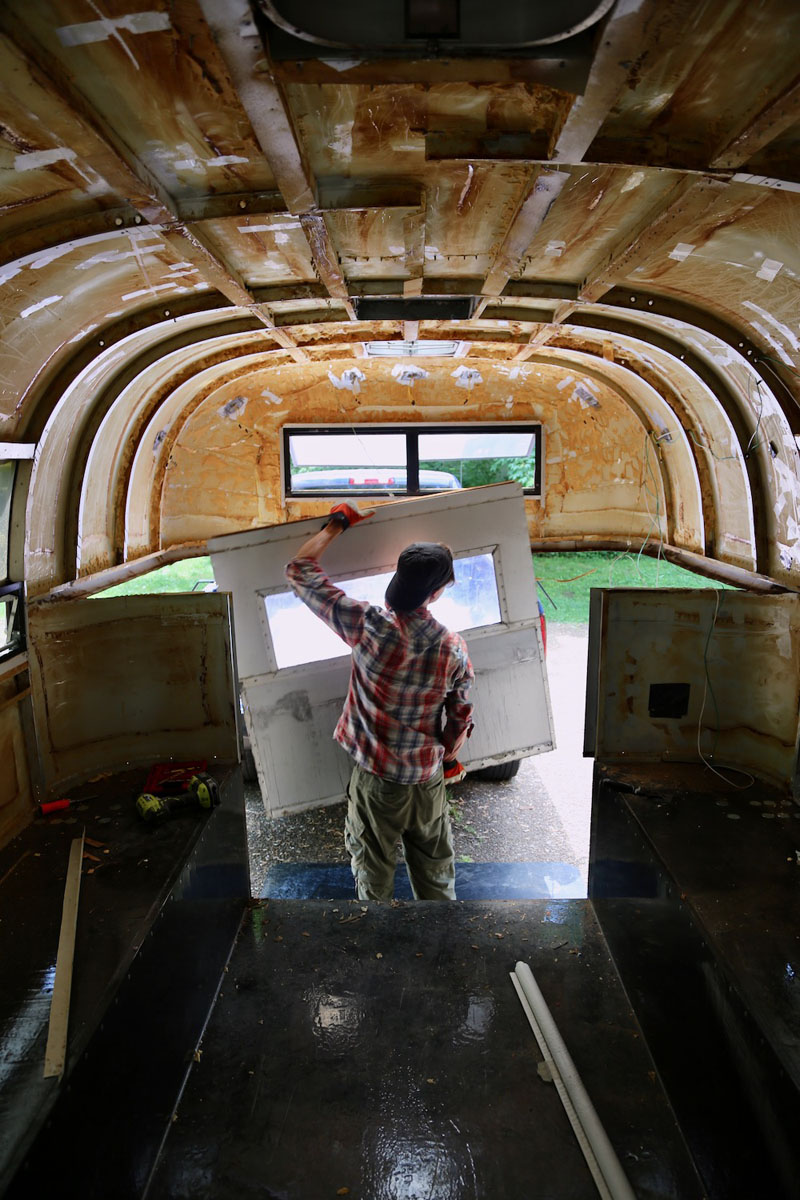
{"x":197,"y":212}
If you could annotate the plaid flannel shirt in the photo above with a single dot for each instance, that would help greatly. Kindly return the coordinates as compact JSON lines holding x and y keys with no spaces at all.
{"x":408,"y":675}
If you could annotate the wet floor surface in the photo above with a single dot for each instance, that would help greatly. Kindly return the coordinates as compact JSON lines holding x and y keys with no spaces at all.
{"x":135,"y":878}
{"x":540,"y":816}
{"x":379,"y":1051}
{"x":695,"y":884}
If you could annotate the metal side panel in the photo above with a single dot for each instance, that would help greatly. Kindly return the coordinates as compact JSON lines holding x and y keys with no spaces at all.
{"x":291,"y":717}
{"x":131,"y":679}
{"x":685,"y":674}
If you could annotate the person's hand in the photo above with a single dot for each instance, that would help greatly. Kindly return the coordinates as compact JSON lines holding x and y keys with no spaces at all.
{"x":346,"y":515}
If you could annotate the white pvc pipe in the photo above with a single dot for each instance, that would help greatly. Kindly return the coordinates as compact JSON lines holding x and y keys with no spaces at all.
{"x":610,"y":1167}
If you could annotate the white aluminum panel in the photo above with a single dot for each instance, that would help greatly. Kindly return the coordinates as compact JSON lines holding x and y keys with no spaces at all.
{"x":291,"y":713}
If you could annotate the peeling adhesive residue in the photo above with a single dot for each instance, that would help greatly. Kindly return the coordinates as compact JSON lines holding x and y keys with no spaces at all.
{"x":782,"y":329}
{"x":350,"y":380}
{"x":633,"y":181}
{"x":233,"y":408}
{"x":769,"y":269}
{"x":466,"y":377}
{"x":585,"y":396}
{"x":270,"y":397}
{"x":408,"y":376}
{"x":34,"y":308}
{"x":107,"y":27}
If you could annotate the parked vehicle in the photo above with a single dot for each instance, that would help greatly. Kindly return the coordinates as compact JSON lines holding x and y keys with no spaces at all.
{"x":371,"y":479}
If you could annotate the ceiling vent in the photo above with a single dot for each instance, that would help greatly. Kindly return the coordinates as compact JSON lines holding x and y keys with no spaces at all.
{"x":414,"y":308}
{"x":452,"y":26}
{"x":411,"y":349}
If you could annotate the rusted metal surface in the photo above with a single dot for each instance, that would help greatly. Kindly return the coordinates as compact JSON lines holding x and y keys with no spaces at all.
{"x":748,"y":648}
{"x":99,"y":496}
{"x":154,"y":160}
{"x":100,"y":703}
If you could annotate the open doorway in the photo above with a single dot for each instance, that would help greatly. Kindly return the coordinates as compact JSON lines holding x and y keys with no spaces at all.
{"x":541,"y":814}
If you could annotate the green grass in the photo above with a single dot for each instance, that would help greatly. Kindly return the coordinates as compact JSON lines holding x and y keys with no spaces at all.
{"x":176,"y":577}
{"x":568,"y":578}
{"x":565,"y":578}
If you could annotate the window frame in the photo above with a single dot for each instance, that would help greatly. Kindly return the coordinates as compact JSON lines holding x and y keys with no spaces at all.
{"x":412,"y":433}
{"x":491,"y":551}
{"x":17,"y":642}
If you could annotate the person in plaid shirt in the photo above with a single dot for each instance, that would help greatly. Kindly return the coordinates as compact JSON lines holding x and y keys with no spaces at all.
{"x":407,"y":710}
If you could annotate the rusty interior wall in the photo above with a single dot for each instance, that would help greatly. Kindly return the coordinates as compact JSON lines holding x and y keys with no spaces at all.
{"x":224,"y":469}
{"x":129,"y":681}
{"x":130,"y":412}
{"x":740,"y":656}
{"x":154,"y":166}
{"x":17,"y":804}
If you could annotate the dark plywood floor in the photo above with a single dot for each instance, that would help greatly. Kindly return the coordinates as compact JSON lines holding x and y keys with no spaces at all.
{"x":159,"y":907}
{"x":381,"y":1048}
{"x":695,"y":884}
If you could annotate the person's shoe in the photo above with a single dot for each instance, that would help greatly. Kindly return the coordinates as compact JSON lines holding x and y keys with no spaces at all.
{"x":453,"y":771}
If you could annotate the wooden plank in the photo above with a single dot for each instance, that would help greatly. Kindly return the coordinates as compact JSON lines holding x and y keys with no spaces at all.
{"x":55,"y":1055}
{"x":618,"y":48}
{"x":13,"y":666}
{"x":770,"y":123}
{"x":530,"y":216}
{"x":326,"y":260}
{"x":15,"y":699}
{"x":239,"y":45}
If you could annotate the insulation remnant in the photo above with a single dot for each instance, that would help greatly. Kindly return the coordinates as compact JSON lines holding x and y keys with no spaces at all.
{"x":769,"y":269}
{"x":408,"y":375}
{"x":108,"y":27}
{"x":233,"y":408}
{"x":350,"y":380}
{"x":466,"y":377}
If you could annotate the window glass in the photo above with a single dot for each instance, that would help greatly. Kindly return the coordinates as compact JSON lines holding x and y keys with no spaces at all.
{"x":11,"y":627}
{"x":5,"y":621}
{"x":6,"y":487}
{"x":349,"y":462}
{"x":298,"y":636}
{"x":481,"y":457}
{"x":327,"y":462}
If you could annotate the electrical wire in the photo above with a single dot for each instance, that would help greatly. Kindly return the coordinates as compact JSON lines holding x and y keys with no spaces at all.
{"x":655,"y":521}
{"x":708,"y":450}
{"x":754,"y":435}
{"x":707,"y":687}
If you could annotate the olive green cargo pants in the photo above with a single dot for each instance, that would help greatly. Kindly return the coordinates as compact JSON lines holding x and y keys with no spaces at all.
{"x":379,"y":814}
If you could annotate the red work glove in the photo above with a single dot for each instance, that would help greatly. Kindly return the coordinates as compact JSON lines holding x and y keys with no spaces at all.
{"x":346,"y":515}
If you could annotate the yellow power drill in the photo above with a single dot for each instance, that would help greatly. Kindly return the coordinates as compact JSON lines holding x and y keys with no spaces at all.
{"x":201,"y":791}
